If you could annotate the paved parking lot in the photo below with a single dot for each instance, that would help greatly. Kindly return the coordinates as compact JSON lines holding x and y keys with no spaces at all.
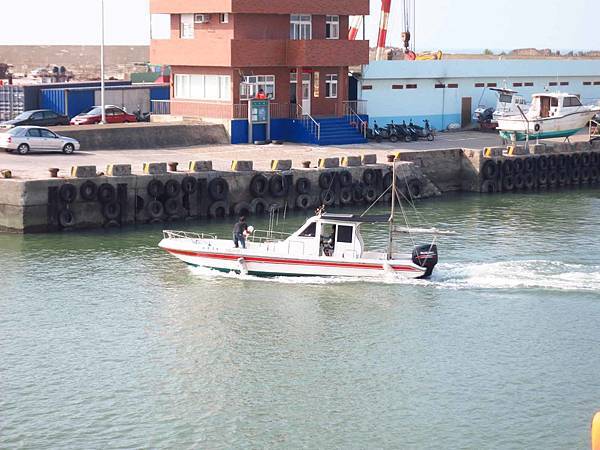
{"x":35,"y":165}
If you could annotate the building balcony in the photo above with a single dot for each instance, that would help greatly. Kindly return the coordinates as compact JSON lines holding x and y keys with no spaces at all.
{"x":259,"y":53}
{"x":347,"y":7}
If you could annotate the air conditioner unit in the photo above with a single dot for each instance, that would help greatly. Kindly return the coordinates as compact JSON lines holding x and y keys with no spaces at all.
{"x":201,"y":18}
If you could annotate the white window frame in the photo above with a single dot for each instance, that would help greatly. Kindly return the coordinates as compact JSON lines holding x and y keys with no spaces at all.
{"x":250,"y":85}
{"x":300,"y":27}
{"x":224,"y":18}
{"x":187,"y":26}
{"x":194,"y":87}
{"x":332,"y":27}
{"x":160,"y":26}
{"x":331,"y":85}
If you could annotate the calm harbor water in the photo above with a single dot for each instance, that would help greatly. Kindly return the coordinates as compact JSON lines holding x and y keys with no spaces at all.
{"x":106,"y":342}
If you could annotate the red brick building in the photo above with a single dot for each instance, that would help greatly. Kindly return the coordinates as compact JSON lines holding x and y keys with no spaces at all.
{"x":222,"y":52}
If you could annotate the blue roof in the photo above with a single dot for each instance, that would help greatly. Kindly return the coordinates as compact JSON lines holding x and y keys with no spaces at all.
{"x":482,"y":68}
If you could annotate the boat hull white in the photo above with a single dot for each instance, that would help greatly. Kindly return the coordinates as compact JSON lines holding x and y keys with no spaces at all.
{"x":516,"y":128}
{"x":264,"y":264}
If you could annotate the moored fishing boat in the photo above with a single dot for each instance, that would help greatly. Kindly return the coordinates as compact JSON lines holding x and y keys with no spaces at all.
{"x":326,"y":245}
{"x":551,"y":115}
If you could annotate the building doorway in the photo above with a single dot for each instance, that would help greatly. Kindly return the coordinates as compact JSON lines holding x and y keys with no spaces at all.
{"x":306,"y":91}
{"x":466,"y":113}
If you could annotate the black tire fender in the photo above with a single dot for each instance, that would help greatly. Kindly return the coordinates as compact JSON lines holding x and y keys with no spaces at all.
{"x":370,"y":194}
{"x":259,"y":185}
{"x":303,"y":201}
{"x":278,"y":186}
{"x":242,"y":209}
{"x":508,"y":183}
{"x":111,"y":210}
{"x":172,"y":188}
{"x":529,"y":165}
{"x":585,"y":160}
{"x":189,"y":185}
{"x":345,"y":178}
{"x":326,"y":180}
{"x":171,"y":206}
{"x":575,"y":175}
{"x":303,"y":186}
{"x":155,"y":209}
{"x":66,"y":218}
{"x":489,"y":169}
{"x":346,"y":196}
{"x":519,"y":181}
{"x":552,"y":162}
{"x":67,"y":193}
{"x":507,"y":167}
{"x":259,"y":206}
{"x":489,"y":187}
{"x":518,"y":165}
{"x":88,"y":191}
{"x":327,"y":197}
{"x":369,"y":177}
{"x":542,"y":178}
{"x":106,"y":193}
{"x":155,"y":188}
{"x":529,"y":180}
{"x":218,"y":189}
{"x":542,"y":163}
{"x":552,"y":178}
{"x":218,"y":209}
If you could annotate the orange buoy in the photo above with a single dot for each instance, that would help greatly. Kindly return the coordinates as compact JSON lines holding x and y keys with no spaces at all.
{"x":596,"y":432}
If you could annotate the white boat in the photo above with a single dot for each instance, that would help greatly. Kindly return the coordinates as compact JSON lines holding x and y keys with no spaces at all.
{"x":551,"y":115}
{"x":313,"y":250}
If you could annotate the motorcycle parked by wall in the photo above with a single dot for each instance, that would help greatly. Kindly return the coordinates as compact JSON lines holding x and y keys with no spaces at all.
{"x":422,"y":132}
{"x":141,"y":116}
{"x":379,"y":134}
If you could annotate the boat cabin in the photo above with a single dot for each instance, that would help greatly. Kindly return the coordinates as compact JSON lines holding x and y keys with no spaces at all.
{"x":509,"y":102}
{"x":553,"y":104}
{"x":335,"y":235}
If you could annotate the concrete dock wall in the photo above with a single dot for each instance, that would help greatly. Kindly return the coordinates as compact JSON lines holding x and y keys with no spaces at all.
{"x":32,"y":206}
{"x":145,"y":136}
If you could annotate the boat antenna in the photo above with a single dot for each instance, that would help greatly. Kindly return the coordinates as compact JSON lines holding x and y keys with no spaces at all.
{"x":392,"y":210}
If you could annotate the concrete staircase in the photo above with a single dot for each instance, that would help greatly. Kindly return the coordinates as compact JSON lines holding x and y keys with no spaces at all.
{"x":337,"y":131}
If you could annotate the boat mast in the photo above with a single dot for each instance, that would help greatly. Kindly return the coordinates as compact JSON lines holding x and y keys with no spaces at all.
{"x":393,"y":209}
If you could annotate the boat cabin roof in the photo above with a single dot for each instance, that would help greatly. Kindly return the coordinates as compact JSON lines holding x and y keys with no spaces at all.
{"x":355,"y":218}
{"x":504,"y":90}
{"x":554,"y":94}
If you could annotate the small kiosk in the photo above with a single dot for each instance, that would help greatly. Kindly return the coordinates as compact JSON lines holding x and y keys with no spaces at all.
{"x":259,"y":113}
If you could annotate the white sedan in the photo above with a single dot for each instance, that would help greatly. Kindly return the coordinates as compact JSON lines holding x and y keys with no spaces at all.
{"x":24,"y":139}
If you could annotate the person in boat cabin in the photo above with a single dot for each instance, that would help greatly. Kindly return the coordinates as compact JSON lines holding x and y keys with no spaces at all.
{"x":240,"y":231}
{"x":329,"y":242}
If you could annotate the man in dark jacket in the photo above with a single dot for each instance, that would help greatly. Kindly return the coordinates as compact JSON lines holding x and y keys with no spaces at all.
{"x":239,"y":230}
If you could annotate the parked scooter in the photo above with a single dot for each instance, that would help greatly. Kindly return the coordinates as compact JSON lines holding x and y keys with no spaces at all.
{"x":379,"y":134}
{"x":140,"y":116}
{"x":422,"y":132}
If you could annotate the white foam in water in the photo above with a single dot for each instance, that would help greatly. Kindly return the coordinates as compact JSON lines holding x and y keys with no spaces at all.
{"x":532,"y":274}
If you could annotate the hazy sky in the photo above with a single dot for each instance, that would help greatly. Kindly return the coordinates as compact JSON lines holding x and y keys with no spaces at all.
{"x":443,"y":24}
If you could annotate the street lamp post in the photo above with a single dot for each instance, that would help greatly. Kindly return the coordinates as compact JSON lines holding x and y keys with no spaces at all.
{"x":102,"y":63}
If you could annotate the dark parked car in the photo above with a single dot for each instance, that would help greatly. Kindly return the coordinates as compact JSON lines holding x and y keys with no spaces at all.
{"x":39,"y":117}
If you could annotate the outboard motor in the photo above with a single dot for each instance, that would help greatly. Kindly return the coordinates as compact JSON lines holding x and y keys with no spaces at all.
{"x":425,"y":256}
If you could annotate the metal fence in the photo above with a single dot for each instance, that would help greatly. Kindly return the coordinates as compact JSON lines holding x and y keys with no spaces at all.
{"x":197,"y":110}
{"x":12,"y":101}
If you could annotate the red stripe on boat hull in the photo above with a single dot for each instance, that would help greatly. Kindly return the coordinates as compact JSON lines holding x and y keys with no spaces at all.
{"x":258,"y":259}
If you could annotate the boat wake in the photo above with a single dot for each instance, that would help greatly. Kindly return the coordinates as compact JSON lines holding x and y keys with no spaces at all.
{"x":532,"y":274}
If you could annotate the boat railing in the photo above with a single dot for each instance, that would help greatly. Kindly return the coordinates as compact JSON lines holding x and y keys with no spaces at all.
{"x":171,"y":234}
{"x":263,"y":236}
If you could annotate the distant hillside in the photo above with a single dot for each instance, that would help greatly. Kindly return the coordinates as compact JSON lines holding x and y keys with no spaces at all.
{"x":83,"y":60}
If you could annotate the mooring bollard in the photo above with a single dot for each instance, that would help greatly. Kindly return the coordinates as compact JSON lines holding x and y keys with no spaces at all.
{"x":53,"y":172}
{"x":306,"y":164}
{"x":173,"y":166}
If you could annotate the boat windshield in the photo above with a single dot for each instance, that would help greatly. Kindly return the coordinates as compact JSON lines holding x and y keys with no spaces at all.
{"x":505,"y":98}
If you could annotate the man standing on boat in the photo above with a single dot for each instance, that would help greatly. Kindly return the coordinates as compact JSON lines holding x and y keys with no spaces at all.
{"x":239,"y":232}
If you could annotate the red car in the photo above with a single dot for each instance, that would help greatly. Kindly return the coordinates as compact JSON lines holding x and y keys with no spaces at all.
{"x":114,"y":114}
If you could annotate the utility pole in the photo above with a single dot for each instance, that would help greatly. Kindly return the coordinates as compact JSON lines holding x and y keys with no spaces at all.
{"x":102,"y":101}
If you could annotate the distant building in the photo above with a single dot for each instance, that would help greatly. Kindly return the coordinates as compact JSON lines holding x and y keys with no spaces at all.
{"x":222,"y":52}
{"x":449,"y":91}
